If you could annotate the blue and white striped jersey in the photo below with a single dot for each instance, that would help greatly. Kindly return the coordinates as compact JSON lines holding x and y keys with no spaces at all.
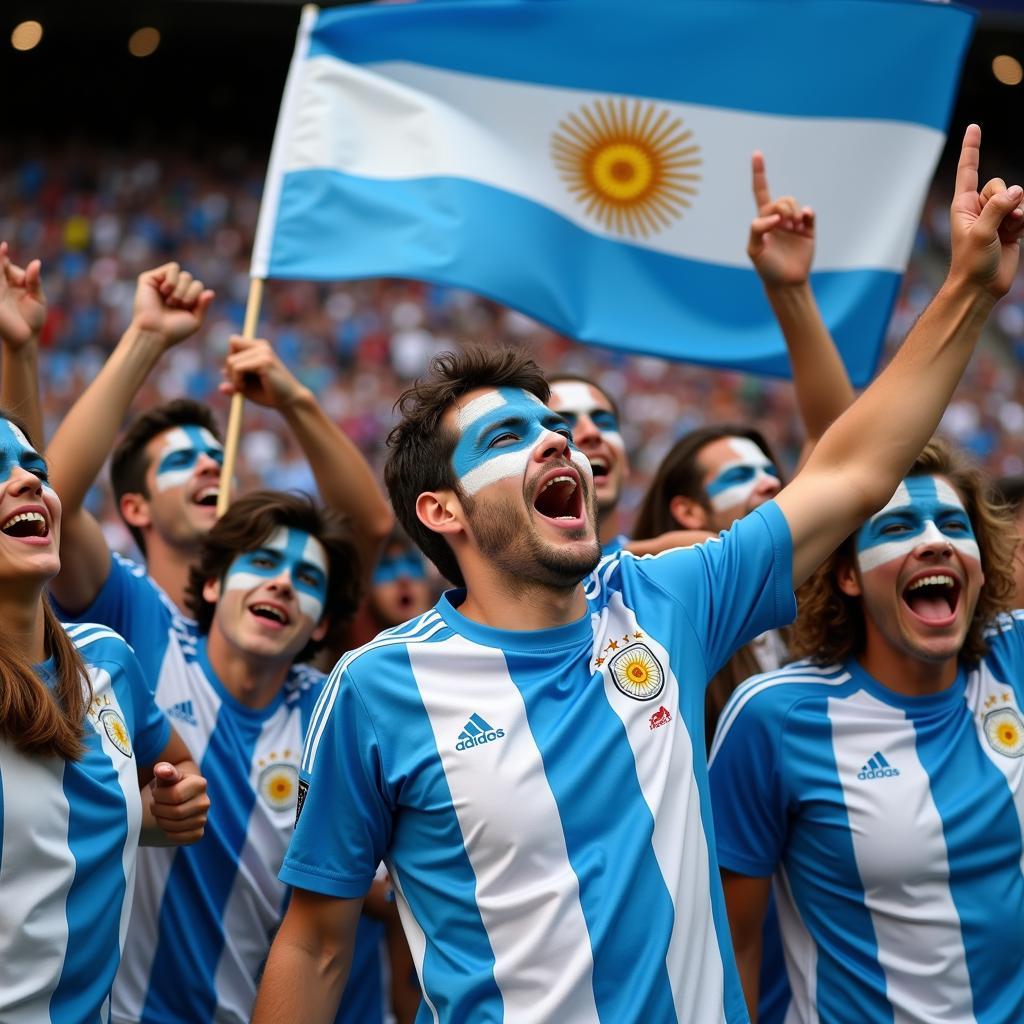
{"x":204,"y":915}
{"x":895,"y":829}
{"x":540,"y":798}
{"x":69,"y":834}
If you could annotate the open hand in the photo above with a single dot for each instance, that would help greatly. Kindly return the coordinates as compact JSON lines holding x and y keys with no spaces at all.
{"x":22,"y":303}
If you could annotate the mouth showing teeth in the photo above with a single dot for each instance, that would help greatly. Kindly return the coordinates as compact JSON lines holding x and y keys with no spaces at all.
{"x":207,"y":497}
{"x":560,"y":498}
{"x":933,"y":598}
{"x":26,"y":524}
{"x":268,"y":611}
{"x":599,"y":468}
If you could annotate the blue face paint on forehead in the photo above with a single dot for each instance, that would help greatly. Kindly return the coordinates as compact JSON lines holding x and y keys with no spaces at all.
{"x":16,"y":451}
{"x":407,"y":564}
{"x":180,"y":452}
{"x":296,"y":552}
{"x":924,"y":509}
{"x":498,"y":432}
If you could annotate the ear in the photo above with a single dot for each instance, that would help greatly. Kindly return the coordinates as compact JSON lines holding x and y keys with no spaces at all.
{"x":689,"y":514}
{"x":440,"y":511}
{"x":135,"y":510}
{"x":211,"y":591}
{"x":319,"y":631}
{"x":848,"y":578}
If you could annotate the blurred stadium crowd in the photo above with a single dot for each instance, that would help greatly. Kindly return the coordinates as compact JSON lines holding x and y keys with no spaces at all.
{"x":98,"y":219}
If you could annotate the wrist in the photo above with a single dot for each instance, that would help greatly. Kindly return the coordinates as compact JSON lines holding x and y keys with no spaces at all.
{"x":300,"y":400}
{"x":138,"y":334}
{"x":961,"y":288}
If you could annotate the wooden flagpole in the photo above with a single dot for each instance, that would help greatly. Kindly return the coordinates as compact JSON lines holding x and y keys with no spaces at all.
{"x":234,"y":434}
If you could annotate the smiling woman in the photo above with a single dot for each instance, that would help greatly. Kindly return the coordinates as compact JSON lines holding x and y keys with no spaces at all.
{"x":78,"y":732}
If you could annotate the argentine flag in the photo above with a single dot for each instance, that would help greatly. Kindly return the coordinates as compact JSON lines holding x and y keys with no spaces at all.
{"x":588,"y":161}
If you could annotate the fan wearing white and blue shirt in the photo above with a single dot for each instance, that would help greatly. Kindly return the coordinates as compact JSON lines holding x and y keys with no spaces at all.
{"x":880,"y":782}
{"x":528,"y":758}
{"x":277,"y":574}
{"x":79,"y":734}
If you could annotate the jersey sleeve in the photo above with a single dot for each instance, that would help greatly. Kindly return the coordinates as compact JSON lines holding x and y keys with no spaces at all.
{"x":344,"y":817}
{"x":733,"y":587}
{"x":748,"y":792}
{"x":130,"y":603}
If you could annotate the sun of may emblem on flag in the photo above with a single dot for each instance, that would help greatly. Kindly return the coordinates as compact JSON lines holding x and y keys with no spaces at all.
{"x":629,"y":162}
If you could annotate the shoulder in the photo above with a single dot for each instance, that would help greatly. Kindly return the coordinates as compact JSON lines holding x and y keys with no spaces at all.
{"x":303,"y":684}
{"x":96,"y":642}
{"x":769,"y":698}
{"x":392,"y":643}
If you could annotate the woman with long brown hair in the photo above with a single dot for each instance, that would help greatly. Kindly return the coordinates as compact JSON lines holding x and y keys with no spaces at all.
{"x":79,"y":736}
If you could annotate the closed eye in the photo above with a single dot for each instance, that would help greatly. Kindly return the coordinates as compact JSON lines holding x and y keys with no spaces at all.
{"x":311,"y":579}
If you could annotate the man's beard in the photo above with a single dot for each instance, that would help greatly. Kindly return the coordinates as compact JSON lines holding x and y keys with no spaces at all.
{"x":506,"y":536}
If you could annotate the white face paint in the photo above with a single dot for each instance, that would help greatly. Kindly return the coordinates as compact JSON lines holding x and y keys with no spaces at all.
{"x":294,"y":552}
{"x":499,"y":431}
{"x":573,"y":399}
{"x":924,"y":510}
{"x":737,"y":479}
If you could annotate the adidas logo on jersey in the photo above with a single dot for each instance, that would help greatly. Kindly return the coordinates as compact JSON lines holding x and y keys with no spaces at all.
{"x":877,"y":768}
{"x":183,"y":712}
{"x":477,"y":732}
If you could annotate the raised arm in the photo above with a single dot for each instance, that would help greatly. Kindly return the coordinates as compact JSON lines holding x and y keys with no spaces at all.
{"x":781,"y":247}
{"x":862,"y":457}
{"x":345,"y":480}
{"x":22,"y":316}
{"x":309,"y":960}
{"x":170,"y":305}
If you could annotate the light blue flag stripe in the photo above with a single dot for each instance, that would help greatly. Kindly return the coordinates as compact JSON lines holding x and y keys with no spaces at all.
{"x":839,"y":58}
{"x":334,"y":226}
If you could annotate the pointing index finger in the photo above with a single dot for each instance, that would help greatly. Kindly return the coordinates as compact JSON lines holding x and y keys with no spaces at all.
{"x":762,"y":194}
{"x":970,"y":157}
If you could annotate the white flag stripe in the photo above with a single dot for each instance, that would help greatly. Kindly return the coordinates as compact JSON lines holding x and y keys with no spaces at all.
{"x":498,"y":132}
{"x":502,"y":799}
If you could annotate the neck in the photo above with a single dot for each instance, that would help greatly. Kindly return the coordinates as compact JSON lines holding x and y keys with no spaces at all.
{"x":252,"y":680}
{"x":24,"y":625}
{"x":608,"y":525}
{"x":494,"y":602}
{"x":169,"y":567}
{"x":906,"y":674}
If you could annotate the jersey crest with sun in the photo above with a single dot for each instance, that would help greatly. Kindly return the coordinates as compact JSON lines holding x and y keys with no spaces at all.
{"x":629,"y":163}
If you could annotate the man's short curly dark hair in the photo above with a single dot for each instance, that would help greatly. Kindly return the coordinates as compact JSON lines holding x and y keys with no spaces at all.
{"x":421,"y":449}
{"x":249,"y":522}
